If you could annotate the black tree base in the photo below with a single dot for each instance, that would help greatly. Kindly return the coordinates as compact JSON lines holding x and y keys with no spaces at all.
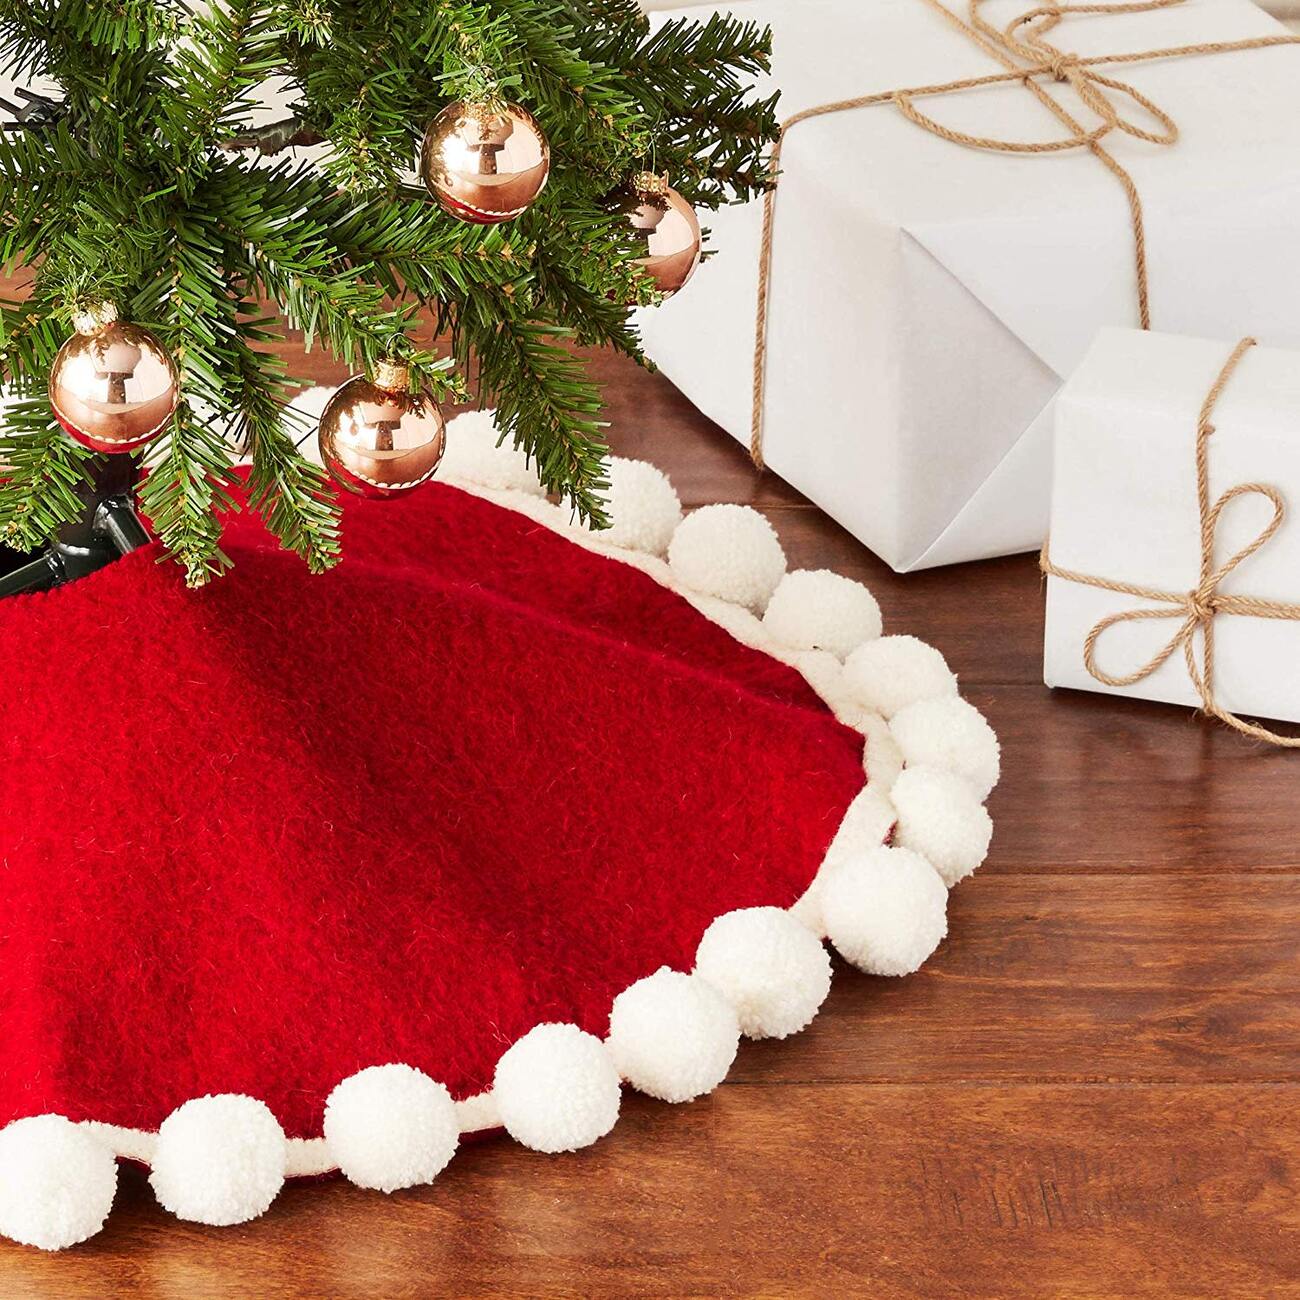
{"x":109,"y":529}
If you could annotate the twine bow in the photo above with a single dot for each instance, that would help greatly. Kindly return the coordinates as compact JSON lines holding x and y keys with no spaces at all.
{"x":1028,"y":56}
{"x":1200,"y":607}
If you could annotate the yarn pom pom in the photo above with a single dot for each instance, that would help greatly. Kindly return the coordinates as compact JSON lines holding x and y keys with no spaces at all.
{"x":953,"y":735}
{"x":816,"y":609}
{"x":886,"y":910}
{"x":867,"y":823}
{"x":57,"y":1182}
{"x":673,"y":1036}
{"x":391,"y":1126}
{"x":770,"y":967}
{"x":557,"y":1089}
{"x":940,"y":817}
{"x":219,"y":1160}
{"x":728,"y":551}
{"x":475,"y":455}
{"x":890,"y":673}
{"x":644,"y":511}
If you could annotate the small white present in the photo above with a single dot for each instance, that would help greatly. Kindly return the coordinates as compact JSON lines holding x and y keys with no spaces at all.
{"x":928,"y":297}
{"x":1174,"y":560}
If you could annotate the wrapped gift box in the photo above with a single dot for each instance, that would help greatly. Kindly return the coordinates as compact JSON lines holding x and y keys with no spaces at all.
{"x":1124,"y":508}
{"x":927,"y":298}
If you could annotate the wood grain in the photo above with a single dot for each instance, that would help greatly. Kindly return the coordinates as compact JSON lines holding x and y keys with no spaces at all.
{"x":1093,"y":1090}
{"x":1073,"y":979}
{"x":931,"y":1191}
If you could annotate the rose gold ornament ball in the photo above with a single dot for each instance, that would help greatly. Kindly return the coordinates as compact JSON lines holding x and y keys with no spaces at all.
{"x":485,"y":165}
{"x":377,"y":438}
{"x":669,"y":228}
{"x":113,"y":386}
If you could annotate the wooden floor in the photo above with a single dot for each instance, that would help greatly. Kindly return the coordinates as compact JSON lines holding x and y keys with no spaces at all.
{"x":1093,"y":1089}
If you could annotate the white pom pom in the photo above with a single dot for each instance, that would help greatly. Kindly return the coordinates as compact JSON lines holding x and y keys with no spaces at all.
{"x":57,"y":1182}
{"x":643,"y":507}
{"x":886,"y":910}
{"x":219,"y":1160}
{"x":473,"y":456}
{"x":770,"y":967}
{"x":881,"y":756}
{"x":391,"y":1126}
{"x":895,"y":671}
{"x":728,"y":551}
{"x":940,"y":817}
{"x":952,"y":735}
{"x":673,"y":1036}
{"x":815,"y":609}
{"x":867,"y":823}
{"x":557,"y":1089}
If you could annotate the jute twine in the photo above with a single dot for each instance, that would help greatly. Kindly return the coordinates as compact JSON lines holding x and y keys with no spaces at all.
{"x":1199,"y":607}
{"x":1024,"y":51}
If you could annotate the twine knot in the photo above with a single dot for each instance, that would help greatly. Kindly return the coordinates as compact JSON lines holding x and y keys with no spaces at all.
{"x":1026,"y":55}
{"x":1200,"y":607}
{"x":1060,"y":65}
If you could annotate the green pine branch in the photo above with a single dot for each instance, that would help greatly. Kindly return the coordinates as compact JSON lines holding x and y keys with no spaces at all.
{"x":42,"y":470}
{"x":291,"y":493}
{"x":188,"y":481}
{"x":146,"y":184}
{"x":549,"y":407}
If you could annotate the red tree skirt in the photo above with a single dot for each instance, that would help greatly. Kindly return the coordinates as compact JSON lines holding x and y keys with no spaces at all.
{"x":258,"y":837}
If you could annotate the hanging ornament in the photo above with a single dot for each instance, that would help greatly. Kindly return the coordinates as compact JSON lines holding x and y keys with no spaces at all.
{"x":378,"y":438}
{"x":668,"y":227}
{"x":485,"y":164}
{"x":113,"y":386}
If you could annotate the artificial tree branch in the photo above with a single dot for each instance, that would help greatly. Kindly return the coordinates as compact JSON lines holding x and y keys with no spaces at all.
{"x":274,"y":137}
{"x":143,"y":186}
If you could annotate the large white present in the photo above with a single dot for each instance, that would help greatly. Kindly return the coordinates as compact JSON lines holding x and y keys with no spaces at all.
{"x":1127,"y":513}
{"x":927,"y":298}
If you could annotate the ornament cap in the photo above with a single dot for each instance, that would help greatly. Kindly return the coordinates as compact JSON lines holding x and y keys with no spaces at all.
{"x":392,"y":376}
{"x":93,"y":317}
{"x":493,"y":123}
{"x":651,"y":183}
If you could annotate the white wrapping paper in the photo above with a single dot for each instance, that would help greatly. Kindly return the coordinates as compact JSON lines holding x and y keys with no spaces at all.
{"x":928,"y":299}
{"x":1124,"y":508}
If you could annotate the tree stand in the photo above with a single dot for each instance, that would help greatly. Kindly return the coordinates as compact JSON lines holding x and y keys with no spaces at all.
{"x":108,"y":529}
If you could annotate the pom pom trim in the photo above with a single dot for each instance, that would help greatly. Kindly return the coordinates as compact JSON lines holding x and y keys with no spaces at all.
{"x":311,"y":1157}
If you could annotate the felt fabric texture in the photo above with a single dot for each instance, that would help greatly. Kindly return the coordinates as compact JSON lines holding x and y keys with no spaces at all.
{"x":258,"y":837}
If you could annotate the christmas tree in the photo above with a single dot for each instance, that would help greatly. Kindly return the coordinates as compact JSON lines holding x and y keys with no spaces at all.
{"x":147,"y":184}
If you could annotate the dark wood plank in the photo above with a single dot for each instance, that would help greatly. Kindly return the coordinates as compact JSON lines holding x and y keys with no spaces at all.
{"x":956,"y":1190}
{"x":1073,"y":979}
{"x":647,"y":415}
{"x":1098,"y":785}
